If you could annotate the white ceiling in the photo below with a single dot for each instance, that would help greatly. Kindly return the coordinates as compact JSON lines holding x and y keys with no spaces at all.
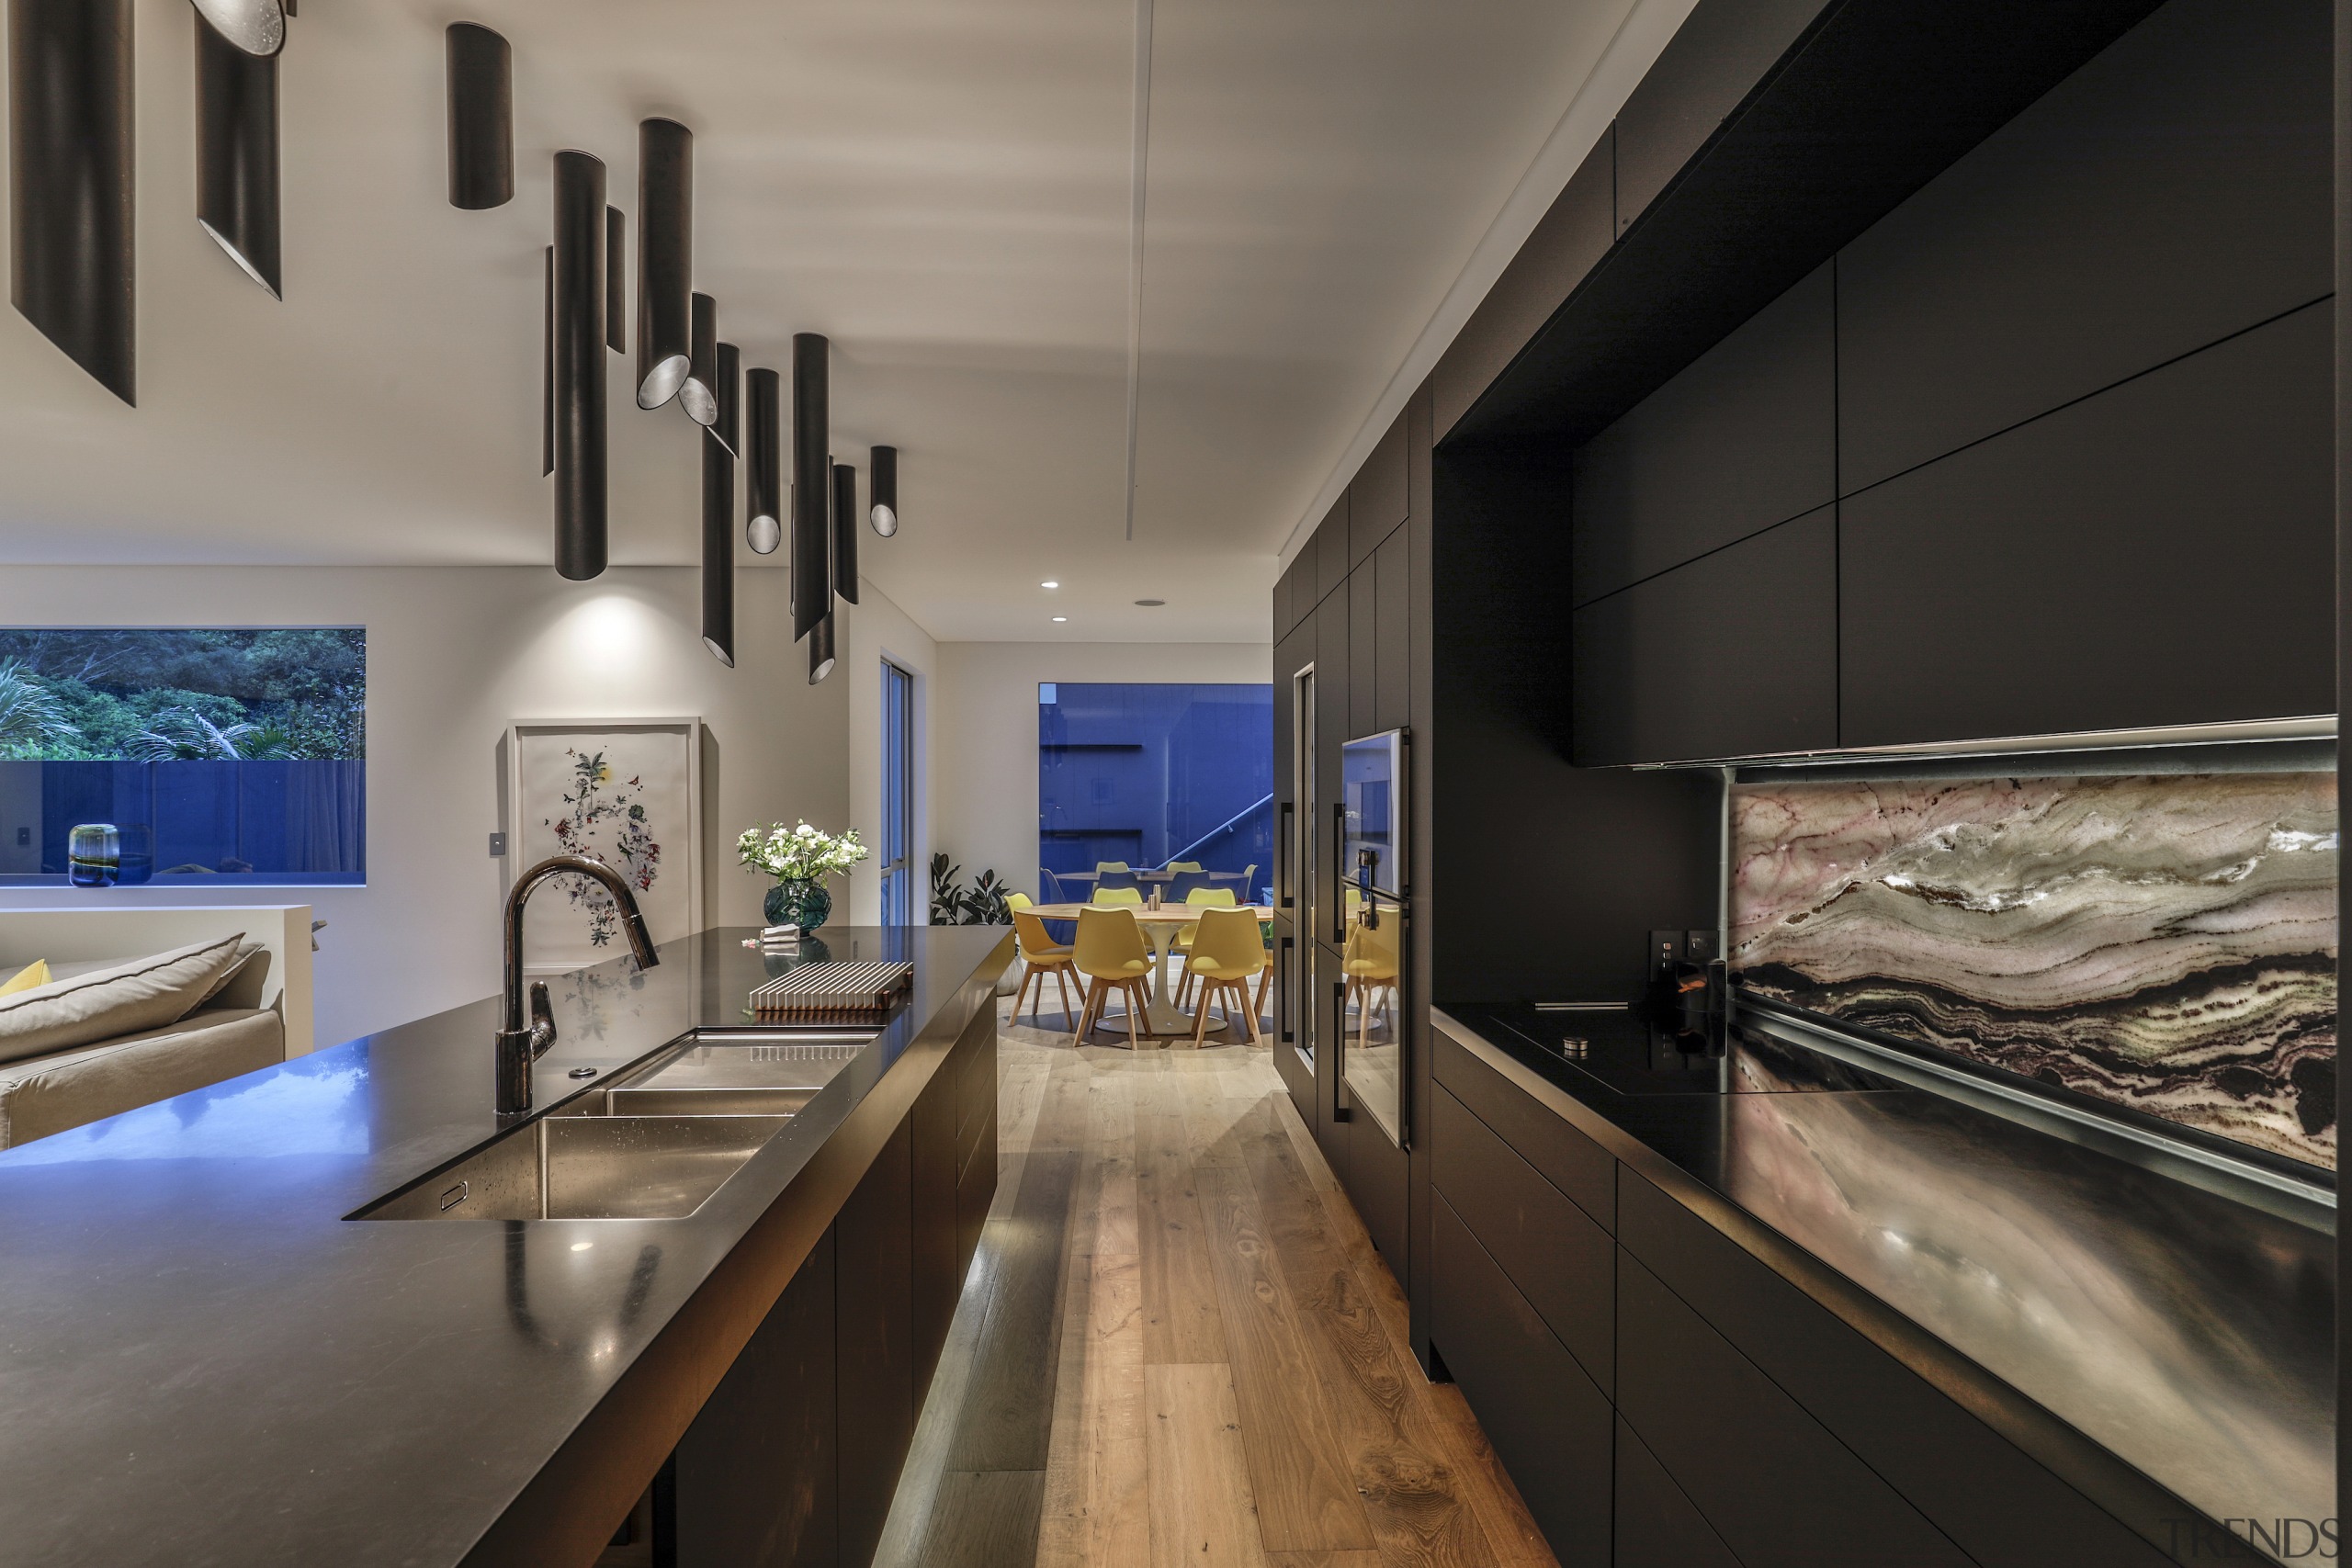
{"x":943,"y":189}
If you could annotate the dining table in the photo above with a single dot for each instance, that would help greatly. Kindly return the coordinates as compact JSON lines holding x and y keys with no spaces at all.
{"x":1160,"y":928}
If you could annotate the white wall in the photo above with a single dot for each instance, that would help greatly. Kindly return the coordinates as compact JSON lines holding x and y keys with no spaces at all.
{"x":455,"y":654}
{"x":867,"y":633}
{"x":984,"y":732}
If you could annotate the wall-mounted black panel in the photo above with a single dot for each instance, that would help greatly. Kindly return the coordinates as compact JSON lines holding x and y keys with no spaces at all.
{"x":1998,"y":1505}
{"x":1363,"y":658}
{"x":1658,"y":1525}
{"x":1377,"y":501}
{"x":1393,"y":638}
{"x":1574,"y":235}
{"x":2162,"y":553}
{"x":2173,"y":191}
{"x":1744,"y":438}
{"x":1305,"y":580}
{"x":1549,"y":1424}
{"x":1735,"y":655}
{"x":1563,"y":1262}
{"x":1883,"y":97}
{"x":1778,"y":1488}
{"x":1331,"y":550}
{"x":1724,"y":48}
{"x":1278,"y":618}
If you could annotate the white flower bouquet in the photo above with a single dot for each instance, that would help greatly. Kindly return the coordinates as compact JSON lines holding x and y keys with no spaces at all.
{"x":798,"y":855}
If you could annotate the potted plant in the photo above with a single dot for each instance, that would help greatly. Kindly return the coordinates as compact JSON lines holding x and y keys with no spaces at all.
{"x":799,"y":859}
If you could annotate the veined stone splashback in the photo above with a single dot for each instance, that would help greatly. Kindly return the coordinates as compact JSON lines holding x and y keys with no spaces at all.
{"x":2164,"y":942}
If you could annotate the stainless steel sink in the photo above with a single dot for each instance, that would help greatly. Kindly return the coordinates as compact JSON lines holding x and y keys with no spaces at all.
{"x":654,"y":1143}
{"x":613,"y":1167}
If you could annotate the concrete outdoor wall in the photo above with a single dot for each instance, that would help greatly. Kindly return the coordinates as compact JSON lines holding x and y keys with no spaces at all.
{"x":984,"y":732}
{"x":454,"y":655}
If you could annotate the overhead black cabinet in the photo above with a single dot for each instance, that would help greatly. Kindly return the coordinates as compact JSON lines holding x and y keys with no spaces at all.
{"x":1997,"y":1504}
{"x":1363,"y":658}
{"x":1548,"y":1424}
{"x":1778,"y":1488}
{"x":1717,"y":57}
{"x":1571,"y":238}
{"x":2162,"y":553}
{"x":1334,"y":716}
{"x":1301,"y":577}
{"x":1393,"y":633}
{"x":1744,"y":438}
{"x":2174,"y":190}
{"x":1560,"y":1259}
{"x":1377,"y":496}
{"x":1658,"y":1526}
{"x":752,"y":1482}
{"x":1734,"y":655}
{"x":1331,"y":545}
{"x":873,"y":1290}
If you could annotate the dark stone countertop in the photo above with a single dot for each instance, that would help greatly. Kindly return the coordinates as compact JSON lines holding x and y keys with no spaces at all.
{"x":2091,"y":1307}
{"x":201,"y":1362}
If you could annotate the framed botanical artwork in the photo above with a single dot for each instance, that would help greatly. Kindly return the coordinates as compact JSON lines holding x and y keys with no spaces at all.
{"x":628,"y":790}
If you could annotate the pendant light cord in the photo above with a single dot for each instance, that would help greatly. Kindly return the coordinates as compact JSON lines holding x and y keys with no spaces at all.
{"x":1142,"y":147}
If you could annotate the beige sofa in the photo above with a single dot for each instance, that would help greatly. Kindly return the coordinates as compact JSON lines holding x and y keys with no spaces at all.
{"x":137,"y":1031}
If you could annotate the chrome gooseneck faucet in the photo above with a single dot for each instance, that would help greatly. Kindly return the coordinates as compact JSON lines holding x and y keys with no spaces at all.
{"x":520,"y":1044}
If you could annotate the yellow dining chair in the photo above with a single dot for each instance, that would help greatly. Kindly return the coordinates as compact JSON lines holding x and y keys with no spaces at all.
{"x":1115,"y":897}
{"x":1044,"y":956}
{"x":1198,"y":898}
{"x":1109,"y":951}
{"x":1369,"y":962}
{"x":1229,"y":954}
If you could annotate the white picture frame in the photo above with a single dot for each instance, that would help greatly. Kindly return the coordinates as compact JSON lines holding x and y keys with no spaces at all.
{"x":654,"y":765}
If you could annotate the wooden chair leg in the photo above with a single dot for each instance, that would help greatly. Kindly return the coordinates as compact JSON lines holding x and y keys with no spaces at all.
{"x":1030,"y":977}
{"x":1087,"y":1013}
{"x":1249,"y":1011}
{"x":1201,"y":1017}
{"x":1061,"y":984}
{"x":1134,"y":1041}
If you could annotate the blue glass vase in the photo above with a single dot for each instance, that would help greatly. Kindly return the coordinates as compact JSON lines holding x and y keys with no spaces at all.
{"x":796,"y":902}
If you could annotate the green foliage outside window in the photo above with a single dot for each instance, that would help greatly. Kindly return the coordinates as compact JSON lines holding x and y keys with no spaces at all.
{"x":225,"y":694}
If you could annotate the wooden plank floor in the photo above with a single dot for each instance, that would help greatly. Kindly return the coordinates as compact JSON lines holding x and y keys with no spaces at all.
{"x":1179,"y":1346}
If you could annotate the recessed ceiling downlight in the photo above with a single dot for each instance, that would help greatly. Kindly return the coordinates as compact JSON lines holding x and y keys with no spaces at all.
{"x":257,"y":27}
{"x":1061,"y":618}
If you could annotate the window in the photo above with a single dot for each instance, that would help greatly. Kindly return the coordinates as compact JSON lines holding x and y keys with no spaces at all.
{"x":218,"y":755}
{"x":898,"y":796}
{"x":1147,"y":774}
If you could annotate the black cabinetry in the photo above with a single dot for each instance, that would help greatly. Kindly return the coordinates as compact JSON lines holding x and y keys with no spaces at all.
{"x":1732,"y":655}
{"x":2162,"y":553}
{"x":874,"y":1270}
{"x":1658,"y":1525}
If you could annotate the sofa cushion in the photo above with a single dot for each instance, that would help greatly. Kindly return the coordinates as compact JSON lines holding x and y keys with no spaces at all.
{"x":25,"y":979}
{"x":50,"y":1094}
{"x":145,"y":994}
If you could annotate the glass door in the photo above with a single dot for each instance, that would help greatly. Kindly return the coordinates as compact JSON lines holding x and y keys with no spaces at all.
{"x":898,"y":796}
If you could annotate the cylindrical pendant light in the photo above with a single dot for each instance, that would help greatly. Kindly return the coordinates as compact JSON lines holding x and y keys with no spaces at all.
{"x":236,"y":152}
{"x":698,"y":394}
{"x":763,"y":517}
{"x":616,"y":280}
{"x":821,"y":649}
{"x":547,"y":370}
{"x":846,"y":531}
{"x":579,"y":365}
{"x":70,"y":148}
{"x":254,"y":27}
{"x":884,"y":512}
{"x":665,"y":259}
{"x":718,"y":512}
{"x":813,"y":575}
{"x":481,"y":117}
{"x":728,"y":425}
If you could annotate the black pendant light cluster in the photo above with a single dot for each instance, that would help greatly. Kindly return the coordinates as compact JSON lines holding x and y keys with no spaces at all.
{"x":764,"y":516}
{"x":579,"y":372}
{"x":71,"y":143}
{"x":719,"y":444}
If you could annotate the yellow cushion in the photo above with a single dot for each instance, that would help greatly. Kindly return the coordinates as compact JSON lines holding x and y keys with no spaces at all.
{"x":31,"y":974}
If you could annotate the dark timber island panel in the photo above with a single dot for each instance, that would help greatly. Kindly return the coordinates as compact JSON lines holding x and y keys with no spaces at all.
{"x":207,"y":1364}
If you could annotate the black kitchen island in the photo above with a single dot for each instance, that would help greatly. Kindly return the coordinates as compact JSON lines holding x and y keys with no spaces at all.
{"x":206,"y":1359}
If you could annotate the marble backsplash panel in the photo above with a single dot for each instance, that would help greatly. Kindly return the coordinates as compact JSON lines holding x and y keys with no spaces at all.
{"x":2164,"y":942}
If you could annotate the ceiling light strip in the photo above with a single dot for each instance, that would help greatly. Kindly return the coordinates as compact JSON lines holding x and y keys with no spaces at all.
{"x":1141,"y":160}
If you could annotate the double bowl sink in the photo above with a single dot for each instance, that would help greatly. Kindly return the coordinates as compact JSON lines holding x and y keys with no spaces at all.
{"x":654,"y":1143}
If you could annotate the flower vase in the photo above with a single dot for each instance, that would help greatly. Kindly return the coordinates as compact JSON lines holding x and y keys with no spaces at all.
{"x":797,"y":901}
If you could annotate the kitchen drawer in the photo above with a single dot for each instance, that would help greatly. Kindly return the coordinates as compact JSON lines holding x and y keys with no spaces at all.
{"x":1563,"y":1262}
{"x":1548,"y":1424}
{"x":1569,"y":1160}
{"x":1658,"y":1525}
{"x":1999,"y":1503}
{"x":1775,"y":1484}
{"x":974,"y":1190}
